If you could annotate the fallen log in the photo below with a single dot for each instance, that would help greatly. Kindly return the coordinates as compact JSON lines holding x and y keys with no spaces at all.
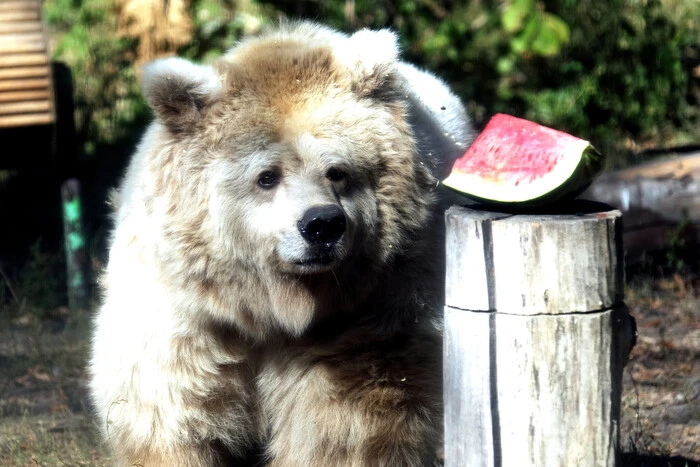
{"x":660,"y":201}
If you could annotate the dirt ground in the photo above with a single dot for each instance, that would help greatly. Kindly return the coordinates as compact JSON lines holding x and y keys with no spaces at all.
{"x":44,"y":418}
{"x":661,"y":384}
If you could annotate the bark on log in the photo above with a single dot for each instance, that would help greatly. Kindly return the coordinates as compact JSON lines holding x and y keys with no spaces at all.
{"x":536,"y":335}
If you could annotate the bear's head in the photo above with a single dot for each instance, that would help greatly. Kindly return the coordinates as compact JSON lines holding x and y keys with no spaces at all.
{"x":285,"y":175}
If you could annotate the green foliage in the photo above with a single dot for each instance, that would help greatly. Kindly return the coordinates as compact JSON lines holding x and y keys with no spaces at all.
{"x":680,"y":253}
{"x":533,"y":31}
{"x":106,"y":93}
{"x":621,"y":78}
{"x":218,"y":24}
{"x":614,"y":72}
{"x":38,"y":287}
{"x":108,"y":102}
{"x":617,"y":72}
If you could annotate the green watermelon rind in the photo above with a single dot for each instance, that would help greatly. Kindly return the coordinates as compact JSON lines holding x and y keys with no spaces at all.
{"x":567,"y":181}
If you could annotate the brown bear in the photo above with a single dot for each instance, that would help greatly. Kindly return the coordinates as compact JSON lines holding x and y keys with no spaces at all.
{"x":275,"y":272}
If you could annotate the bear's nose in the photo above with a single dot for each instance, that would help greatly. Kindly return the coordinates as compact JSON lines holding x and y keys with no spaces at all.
{"x":322,"y":224}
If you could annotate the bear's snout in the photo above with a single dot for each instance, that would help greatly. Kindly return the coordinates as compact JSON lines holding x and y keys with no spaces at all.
{"x":322,"y":224}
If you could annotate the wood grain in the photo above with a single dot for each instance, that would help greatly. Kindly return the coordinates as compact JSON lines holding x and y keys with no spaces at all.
{"x":536,"y":335}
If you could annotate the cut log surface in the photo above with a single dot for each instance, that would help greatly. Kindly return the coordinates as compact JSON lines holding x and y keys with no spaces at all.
{"x":536,"y":335}
{"x":26,"y":87}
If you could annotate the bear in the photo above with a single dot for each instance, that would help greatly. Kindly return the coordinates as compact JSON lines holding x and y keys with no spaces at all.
{"x":274,"y":285}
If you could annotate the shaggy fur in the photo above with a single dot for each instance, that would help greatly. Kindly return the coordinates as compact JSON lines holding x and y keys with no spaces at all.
{"x":226,"y":325}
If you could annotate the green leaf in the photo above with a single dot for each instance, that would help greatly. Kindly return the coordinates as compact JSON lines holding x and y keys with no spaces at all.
{"x":515,"y":13}
{"x":546,"y":43}
{"x":521,"y":43}
{"x":557,"y":26}
{"x":505,"y":65}
{"x":552,"y":35}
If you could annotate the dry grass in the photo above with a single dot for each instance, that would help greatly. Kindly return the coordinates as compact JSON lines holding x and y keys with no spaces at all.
{"x":45,"y":420}
{"x":50,"y":439}
{"x":661,"y":383}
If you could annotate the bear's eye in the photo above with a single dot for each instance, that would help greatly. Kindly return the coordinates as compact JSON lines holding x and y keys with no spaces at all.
{"x":268,"y":179}
{"x":335,"y":175}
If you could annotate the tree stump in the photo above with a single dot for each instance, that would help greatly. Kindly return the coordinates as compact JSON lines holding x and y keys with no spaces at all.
{"x":536,"y":336}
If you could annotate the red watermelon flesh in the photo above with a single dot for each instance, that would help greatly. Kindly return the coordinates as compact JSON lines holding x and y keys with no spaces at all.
{"x":518,"y":161}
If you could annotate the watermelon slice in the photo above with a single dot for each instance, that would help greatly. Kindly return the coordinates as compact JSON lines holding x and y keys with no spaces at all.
{"x":516,"y":161}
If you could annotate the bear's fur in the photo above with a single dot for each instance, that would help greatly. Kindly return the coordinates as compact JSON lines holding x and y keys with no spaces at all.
{"x":275,"y":272}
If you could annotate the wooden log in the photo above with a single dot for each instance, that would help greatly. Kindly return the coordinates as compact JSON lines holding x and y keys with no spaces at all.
{"x":655,"y":198}
{"x":666,"y":189}
{"x":536,"y":335}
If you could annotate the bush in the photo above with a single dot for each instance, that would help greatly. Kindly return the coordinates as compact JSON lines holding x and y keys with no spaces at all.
{"x":618,"y":72}
{"x":614,"y":72}
{"x":105,"y":60}
{"x":218,"y":24}
{"x":106,"y":94}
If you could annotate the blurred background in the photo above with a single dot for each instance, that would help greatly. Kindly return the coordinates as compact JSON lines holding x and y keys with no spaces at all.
{"x":624,"y":74}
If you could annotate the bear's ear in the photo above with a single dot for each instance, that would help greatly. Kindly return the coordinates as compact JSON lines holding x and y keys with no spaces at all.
{"x":371,"y":57}
{"x":178,"y":90}
{"x":438,"y":117}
